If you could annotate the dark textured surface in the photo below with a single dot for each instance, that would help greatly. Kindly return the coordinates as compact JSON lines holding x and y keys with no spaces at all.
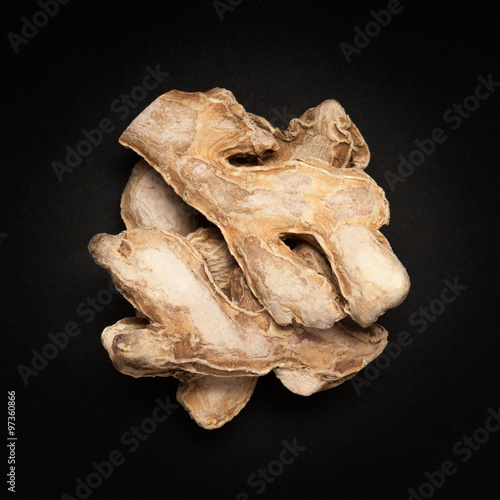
{"x":272,"y":56}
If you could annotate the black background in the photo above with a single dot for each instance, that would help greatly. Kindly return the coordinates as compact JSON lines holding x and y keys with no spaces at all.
{"x":272,"y":56}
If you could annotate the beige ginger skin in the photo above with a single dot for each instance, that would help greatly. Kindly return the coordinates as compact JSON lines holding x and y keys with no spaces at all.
{"x":220,"y":307}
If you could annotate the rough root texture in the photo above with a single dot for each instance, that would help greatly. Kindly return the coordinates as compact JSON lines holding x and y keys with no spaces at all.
{"x":290,"y":277}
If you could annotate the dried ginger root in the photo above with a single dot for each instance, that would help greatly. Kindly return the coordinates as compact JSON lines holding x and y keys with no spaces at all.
{"x":194,"y":327}
{"x":193,"y":140}
{"x":323,"y":198}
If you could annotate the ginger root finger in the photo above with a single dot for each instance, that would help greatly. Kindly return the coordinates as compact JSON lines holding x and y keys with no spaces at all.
{"x":149,"y":350}
{"x":325,"y":132}
{"x":214,"y":401}
{"x":148,"y":201}
{"x":370,"y":277}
